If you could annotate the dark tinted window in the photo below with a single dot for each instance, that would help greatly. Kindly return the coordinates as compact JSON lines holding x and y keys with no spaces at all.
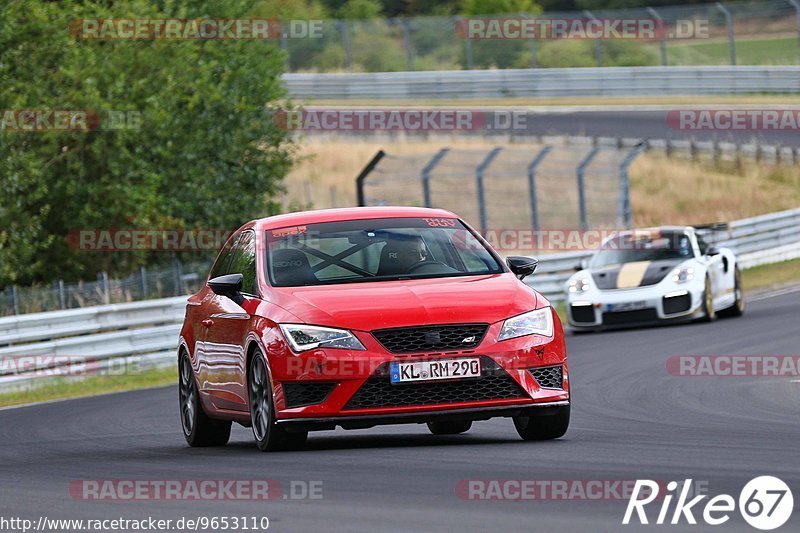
{"x":375,"y":250}
{"x":243,"y":261}
{"x":220,"y":267}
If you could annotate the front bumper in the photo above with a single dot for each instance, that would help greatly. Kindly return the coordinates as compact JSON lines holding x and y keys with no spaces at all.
{"x":340,"y":377}
{"x":595,"y":309}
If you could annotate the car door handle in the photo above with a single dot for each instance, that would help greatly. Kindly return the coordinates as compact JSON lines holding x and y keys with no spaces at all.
{"x":207,"y":322}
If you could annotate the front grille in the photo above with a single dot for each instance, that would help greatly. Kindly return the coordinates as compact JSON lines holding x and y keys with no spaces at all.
{"x":583,"y":313}
{"x":306,"y":393}
{"x":677,"y":304}
{"x":431,"y":338}
{"x":548,"y":377}
{"x":377,"y":391}
{"x":629,"y":317}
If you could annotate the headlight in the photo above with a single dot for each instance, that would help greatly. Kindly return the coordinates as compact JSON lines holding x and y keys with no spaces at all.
{"x":302,"y":337}
{"x":682,"y":274}
{"x":538,"y":322}
{"x":578,"y":285}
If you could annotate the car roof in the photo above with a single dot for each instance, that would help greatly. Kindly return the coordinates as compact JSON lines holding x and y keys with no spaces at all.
{"x":349,"y":213}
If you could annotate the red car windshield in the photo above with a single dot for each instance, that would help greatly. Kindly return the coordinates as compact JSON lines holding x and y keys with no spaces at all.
{"x":375,"y":250}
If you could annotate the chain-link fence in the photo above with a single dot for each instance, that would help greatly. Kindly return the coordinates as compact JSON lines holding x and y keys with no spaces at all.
{"x":175,"y":280}
{"x":541,"y":186}
{"x":763,"y":32}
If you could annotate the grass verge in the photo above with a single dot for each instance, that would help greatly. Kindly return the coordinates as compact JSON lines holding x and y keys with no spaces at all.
{"x":63,"y":388}
{"x":771,"y":276}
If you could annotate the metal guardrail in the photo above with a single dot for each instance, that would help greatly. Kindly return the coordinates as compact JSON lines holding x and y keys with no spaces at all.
{"x":98,"y":334}
{"x":546,"y":83}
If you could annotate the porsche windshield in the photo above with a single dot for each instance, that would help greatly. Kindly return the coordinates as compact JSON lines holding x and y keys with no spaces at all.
{"x":375,"y":250}
{"x":643,"y":246}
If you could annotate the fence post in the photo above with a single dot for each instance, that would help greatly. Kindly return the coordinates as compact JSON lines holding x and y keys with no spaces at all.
{"x":729,"y":23}
{"x":580,"y":171}
{"x":662,"y":37}
{"x":407,"y":43}
{"x":106,"y":288}
{"x":624,"y":213}
{"x":426,"y":175}
{"x":796,"y":5}
{"x":143,"y":274}
{"x":363,"y":175}
{"x":14,"y":299}
{"x":479,"y":181}
{"x":598,"y":44}
{"x":348,"y":48}
{"x":467,"y":44}
{"x":532,"y":184}
{"x":62,"y":298}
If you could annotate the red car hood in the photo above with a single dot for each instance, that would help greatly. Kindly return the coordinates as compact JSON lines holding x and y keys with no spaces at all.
{"x":386,"y":304}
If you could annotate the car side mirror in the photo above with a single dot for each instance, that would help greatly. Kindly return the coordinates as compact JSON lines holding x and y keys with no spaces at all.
{"x":229,"y":285}
{"x":712,"y":250}
{"x":522,"y":266}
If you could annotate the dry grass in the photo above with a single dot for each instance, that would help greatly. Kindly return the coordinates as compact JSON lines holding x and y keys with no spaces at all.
{"x":674,"y":191}
{"x":663,"y":191}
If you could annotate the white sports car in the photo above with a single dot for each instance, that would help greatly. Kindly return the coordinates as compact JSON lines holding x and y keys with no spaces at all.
{"x":654,"y":275}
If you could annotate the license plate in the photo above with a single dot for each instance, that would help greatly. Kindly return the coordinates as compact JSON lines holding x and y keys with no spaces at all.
{"x":626,"y":306}
{"x":439,"y":369}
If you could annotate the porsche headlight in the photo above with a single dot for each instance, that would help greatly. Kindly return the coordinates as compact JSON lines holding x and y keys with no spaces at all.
{"x":578,"y":285}
{"x":682,"y":274}
{"x":538,"y":322}
{"x":302,"y":337}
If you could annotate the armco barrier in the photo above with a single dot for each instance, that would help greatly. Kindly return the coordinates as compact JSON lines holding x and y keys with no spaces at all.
{"x":546,"y":83}
{"x":147,"y":332}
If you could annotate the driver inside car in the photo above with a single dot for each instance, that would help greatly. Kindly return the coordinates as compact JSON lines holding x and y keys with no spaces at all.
{"x":400,"y":253}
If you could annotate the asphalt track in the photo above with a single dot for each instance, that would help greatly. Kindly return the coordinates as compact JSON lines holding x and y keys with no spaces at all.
{"x":631,"y":419}
{"x":645,"y":124}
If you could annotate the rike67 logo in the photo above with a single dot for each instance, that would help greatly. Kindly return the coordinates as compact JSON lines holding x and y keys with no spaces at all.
{"x":765,"y":503}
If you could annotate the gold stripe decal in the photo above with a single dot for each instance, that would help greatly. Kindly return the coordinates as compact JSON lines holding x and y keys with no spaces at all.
{"x":631,"y":274}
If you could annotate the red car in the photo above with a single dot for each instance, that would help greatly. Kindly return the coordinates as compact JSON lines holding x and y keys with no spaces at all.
{"x":365,"y":316}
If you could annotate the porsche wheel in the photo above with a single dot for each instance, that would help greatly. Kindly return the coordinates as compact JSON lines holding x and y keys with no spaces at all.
{"x":198,"y":428}
{"x":708,"y":303}
{"x":268,"y":434}
{"x":737,"y":309}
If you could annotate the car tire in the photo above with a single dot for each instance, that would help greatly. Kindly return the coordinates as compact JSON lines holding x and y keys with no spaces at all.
{"x":708,"y":303}
{"x":450,"y":427}
{"x":270,"y":437}
{"x":543,"y":427}
{"x":737,"y":309}
{"x":198,"y":429}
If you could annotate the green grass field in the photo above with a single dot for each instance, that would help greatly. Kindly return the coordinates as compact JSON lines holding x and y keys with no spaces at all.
{"x":778,"y":51}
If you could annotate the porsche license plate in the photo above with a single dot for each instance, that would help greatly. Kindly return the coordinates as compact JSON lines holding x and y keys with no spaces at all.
{"x":626,"y":306}
{"x":434,"y":370}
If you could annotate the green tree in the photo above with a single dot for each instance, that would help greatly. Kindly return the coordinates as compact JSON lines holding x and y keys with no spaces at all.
{"x":206,"y":154}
